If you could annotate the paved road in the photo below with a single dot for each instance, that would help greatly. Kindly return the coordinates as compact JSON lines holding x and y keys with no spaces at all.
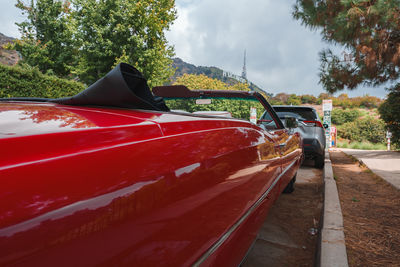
{"x":385,"y":164}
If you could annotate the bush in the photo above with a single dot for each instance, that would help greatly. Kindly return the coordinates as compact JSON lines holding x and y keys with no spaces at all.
{"x":340,"y":116}
{"x":23,"y":81}
{"x":366,"y":129}
{"x":293,"y":100}
{"x":238,"y":108}
{"x":308,"y":99}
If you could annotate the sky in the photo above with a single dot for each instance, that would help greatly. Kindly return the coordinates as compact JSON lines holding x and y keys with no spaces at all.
{"x":281,"y":54}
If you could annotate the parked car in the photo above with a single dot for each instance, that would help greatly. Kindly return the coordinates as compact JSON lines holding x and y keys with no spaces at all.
{"x":111,"y":177}
{"x":310,"y":128}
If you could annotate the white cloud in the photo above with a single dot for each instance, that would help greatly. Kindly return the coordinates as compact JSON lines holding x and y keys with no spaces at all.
{"x":9,"y":15}
{"x":282,"y":55}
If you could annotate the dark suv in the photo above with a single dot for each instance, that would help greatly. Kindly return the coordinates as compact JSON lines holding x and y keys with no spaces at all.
{"x":310,"y":128}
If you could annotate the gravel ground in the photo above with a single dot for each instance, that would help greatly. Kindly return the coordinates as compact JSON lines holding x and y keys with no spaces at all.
{"x":371,"y":214}
{"x":289,"y":235}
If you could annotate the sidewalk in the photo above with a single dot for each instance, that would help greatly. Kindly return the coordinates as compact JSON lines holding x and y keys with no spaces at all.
{"x":385,"y":164}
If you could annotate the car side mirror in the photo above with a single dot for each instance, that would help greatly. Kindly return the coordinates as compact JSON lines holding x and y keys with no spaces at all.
{"x":291,"y":122}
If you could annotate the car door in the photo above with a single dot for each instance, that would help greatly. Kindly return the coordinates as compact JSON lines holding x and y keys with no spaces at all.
{"x":289,"y":143}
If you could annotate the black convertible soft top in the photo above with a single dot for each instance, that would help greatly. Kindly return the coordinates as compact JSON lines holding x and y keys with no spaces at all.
{"x":124,"y":87}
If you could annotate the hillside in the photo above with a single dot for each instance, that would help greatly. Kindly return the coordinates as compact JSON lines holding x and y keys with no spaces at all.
{"x":7,"y":57}
{"x":213,"y":72}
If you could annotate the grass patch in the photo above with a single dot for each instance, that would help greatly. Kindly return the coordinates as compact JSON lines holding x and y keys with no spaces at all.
{"x":361,"y":145}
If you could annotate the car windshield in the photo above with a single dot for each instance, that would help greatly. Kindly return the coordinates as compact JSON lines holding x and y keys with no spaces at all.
{"x":302,"y":114}
{"x":231,"y":108}
{"x":245,"y":105}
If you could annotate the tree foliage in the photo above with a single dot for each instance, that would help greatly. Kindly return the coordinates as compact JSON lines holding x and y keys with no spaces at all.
{"x":26,"y":81}
{"x":342,"y":100}
{"x":47,"y":36}
{"x":88,"y":37}
{"x":366,"y":129}
{"x":340,"y":116}
{"x":196,"y":82}
{"x":308,"y":99}
{"x":294,"y":100}
{"x":114,"y":31}
{"x":370,"y":32}
{"x":238,"y":108}
{"x":390,"y":113}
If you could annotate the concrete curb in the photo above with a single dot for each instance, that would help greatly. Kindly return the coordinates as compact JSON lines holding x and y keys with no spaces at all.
{"x":332,"y":242}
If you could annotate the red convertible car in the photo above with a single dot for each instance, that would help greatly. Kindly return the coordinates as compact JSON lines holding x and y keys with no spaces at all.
{"x":112,"y":177}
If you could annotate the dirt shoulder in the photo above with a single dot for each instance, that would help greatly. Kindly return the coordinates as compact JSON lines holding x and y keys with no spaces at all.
{"x":371,"y":214}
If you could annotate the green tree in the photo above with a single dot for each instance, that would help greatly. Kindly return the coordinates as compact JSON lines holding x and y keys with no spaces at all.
{"x":88,"y":37}
{"x":365,"y":129}
{"x":308,"y":99}
{"x":293,"y":100}
{"x":131,"y":31}
{"x":47,"y":36}
{"x":194,"y":82}
{"x":340,"y":116}
{"x":238,"y":108}
{"x":390,"y":113}
{"x":369,"y":30}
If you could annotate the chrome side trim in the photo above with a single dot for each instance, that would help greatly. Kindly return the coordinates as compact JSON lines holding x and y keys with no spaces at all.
{"x":220,"y":241}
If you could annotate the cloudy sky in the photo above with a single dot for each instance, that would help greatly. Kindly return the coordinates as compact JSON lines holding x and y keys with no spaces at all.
{"x":282,"y":55}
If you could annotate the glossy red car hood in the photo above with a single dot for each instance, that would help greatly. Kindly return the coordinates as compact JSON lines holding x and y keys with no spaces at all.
{"x":22,"y":119}
{"x":31,"y":132}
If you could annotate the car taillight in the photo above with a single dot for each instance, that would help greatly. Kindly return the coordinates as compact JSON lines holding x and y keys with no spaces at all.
{"x":314,"y":123}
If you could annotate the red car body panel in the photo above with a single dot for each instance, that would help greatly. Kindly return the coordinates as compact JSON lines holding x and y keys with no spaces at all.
{"x":101,"y":186}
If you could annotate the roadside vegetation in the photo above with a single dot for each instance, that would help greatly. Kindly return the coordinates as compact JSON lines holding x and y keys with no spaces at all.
{"x":81,"y":40}
{"x":26,"y":81}
{"x":359,"y":128}
{"x":238,"y":108}
{"x":85,"y":39}
{"x":368,"y":32}
{"x":361,"y":145}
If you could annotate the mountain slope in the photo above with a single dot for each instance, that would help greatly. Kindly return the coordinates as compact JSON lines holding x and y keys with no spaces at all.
{"x":7,"y":57}
{"x":213,"y":72}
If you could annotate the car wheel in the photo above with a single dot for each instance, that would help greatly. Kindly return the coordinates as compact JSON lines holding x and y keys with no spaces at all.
{"x":290,"y":186}
{"x":319,"y":162}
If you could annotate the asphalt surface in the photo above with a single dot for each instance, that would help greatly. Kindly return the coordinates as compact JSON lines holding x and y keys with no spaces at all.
{"x":385,"y":164}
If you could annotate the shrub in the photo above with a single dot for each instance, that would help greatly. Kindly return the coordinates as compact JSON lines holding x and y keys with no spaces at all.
{"x":293,"y":100}
{"x":366,"y":129}
{"x":23,"y":81}
{"x":308,"y":99}
{"x":238,"y":108}
{"x":340,"y":116}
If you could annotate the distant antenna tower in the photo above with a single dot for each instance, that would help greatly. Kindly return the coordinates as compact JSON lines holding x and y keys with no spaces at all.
{"x":244,"y":72}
